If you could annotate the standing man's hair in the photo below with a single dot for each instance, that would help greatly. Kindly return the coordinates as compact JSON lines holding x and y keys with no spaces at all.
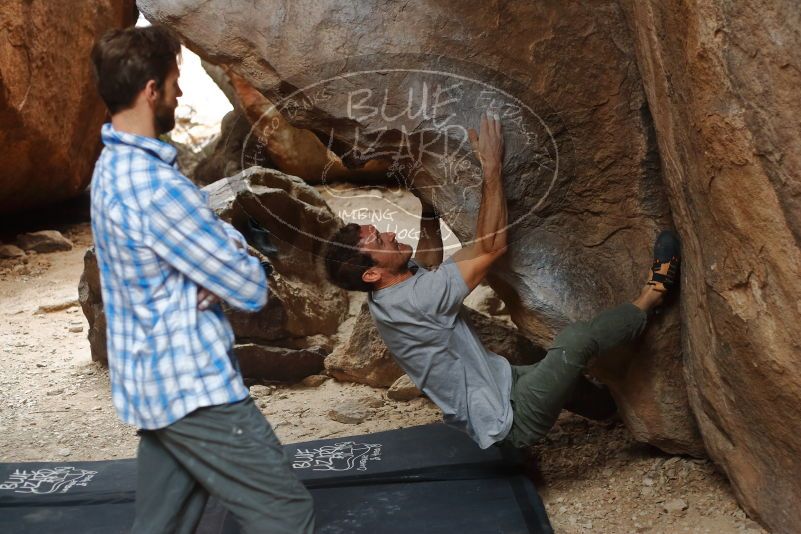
{"x":125,"y":60}
{"x":344,"y":262}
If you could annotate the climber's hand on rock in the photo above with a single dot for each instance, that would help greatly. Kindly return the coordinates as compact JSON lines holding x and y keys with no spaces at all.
{"x":488,"y":144}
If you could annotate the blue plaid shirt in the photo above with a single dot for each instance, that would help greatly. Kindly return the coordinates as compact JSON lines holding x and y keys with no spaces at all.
{"x":157,"y":244}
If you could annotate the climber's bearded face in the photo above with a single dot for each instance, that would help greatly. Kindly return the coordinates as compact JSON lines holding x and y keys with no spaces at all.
{"x":167,"y":101}
{"x":384,"y":249}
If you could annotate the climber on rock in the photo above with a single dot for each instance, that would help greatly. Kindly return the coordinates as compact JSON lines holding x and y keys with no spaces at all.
{"x":415,"y":304}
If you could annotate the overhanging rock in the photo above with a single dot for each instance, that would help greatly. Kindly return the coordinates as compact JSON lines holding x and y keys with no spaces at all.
{"x":582,"y":172}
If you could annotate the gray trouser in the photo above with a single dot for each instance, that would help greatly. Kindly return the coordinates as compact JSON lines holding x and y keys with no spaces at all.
{"x":539,"y":391}
{"x":227,"y":451}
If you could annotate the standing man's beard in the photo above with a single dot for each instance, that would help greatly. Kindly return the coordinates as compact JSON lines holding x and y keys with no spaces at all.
{"x":164,"y":119}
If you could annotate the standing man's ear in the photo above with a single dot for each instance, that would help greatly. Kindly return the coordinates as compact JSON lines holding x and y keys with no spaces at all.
{"x":371,"y":276}
{"x":151,"y":92}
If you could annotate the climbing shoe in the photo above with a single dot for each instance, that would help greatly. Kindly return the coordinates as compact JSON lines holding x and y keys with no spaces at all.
{"x":667,"y":256}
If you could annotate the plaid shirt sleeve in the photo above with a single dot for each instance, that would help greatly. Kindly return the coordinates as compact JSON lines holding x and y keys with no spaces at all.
{"x":188,"y":235}
{"x":234,"y":234}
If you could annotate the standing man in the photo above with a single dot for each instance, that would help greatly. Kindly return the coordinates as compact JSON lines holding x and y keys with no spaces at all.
{"x":417,"y":312}
{"x":165,"y":262}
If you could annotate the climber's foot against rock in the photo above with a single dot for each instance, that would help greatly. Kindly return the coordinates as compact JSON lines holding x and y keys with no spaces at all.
{"x":664,"y":272}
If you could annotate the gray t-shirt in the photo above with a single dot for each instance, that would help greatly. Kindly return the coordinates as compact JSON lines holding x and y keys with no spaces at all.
{"x":420,"y":322}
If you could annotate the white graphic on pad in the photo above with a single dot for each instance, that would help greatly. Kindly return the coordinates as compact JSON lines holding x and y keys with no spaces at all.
{"x":345,"y":456}
{"x":47,"y":480}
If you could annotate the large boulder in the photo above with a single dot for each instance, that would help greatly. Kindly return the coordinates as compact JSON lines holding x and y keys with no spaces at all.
{"x":233,"y":150}
{"x":582,"y":171}
{"x":49,"y":107}
{"x":256,"y":134}
{"x":297,"y":217}
{"x":290,"y":337}
{"x":364,"y":358}
{"x":722,"y":80}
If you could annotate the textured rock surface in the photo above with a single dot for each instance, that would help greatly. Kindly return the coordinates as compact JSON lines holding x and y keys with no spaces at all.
{"x":266,"y":139}
{"x":229,"y":152}
{"x":365,"y":359}
{"x":582,"y":170}
{"x":403,"y":389}
{"x":722,"y":80}
{"x":11,"y":251}
{"x":297,"y":218}
{"x":44,"y":241}
{"x":313,"y":381}
{"x":289,"y":338}
{"x":277,"y":363}
{"x":349,"y":412}
{"x":91,"y":301}
{"x":485,"y":300}
{"x":49,"y":109}
{"x":271,"y":344}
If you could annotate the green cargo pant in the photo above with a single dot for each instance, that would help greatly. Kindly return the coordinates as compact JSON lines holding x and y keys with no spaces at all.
{"x":227,"y":451}
{"x":540,"y":391}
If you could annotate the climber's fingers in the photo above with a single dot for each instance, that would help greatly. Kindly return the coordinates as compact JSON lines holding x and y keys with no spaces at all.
{"x":472,"y":136}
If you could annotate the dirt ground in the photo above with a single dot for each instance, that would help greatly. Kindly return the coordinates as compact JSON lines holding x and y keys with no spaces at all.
{"x":55,"y":405}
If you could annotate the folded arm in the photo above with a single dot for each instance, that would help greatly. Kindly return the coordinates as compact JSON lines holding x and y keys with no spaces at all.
{"x":189,"y":236}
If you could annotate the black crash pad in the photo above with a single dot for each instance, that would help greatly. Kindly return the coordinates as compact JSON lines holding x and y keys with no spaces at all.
{"x":428,"y":478}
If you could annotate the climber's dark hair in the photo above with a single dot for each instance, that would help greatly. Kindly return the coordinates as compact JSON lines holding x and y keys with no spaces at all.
{"x":125,"y":60}
{"x":344,"y":262}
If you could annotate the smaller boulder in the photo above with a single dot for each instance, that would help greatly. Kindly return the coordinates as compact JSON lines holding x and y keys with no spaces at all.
{"x":674,"y":506}
{"x":258,"y":391}
{"x":363,"y":358}
{"x":11,"y":251}
{"x":91,"y":300}
{"x":314,"y":381}
{"x":403,"y":389}
{"x":44,"y":241}
{"x":349,"y":412}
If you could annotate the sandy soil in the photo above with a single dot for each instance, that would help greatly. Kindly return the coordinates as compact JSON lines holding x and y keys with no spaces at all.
{"x":55,"y":404}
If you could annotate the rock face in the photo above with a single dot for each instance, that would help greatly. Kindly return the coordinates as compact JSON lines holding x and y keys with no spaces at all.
{"x":485,"y":300}
{"x":44,"y":241}
{"x":290,"y":337}
{"x":722,"y":82}
{"x":91,"y":300}
{"x":256,"y":134}
{"x":231,"y":152}
{"x":296,"y":217}
{"x":49,"y":108}
{"x":582,"y":170}
{"x":365,"y":359}
{"x":277,"y":363}
{"x":11,"y":251}
{"x":403,"y":389}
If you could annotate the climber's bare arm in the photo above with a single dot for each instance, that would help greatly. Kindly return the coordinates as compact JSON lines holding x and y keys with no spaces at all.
{"x":429,"y":246}
{"x":489,"y":244}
